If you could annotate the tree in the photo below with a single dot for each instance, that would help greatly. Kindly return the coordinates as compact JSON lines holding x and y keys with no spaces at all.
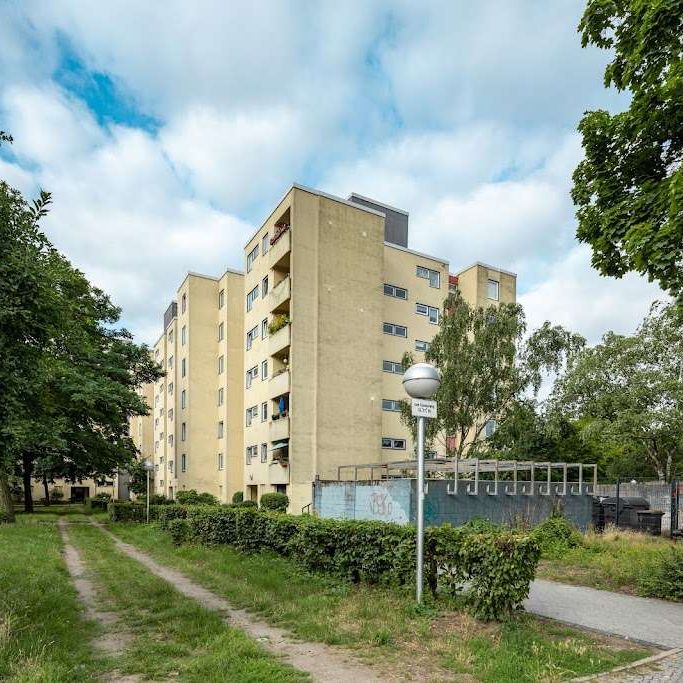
{"x":68,"y":375}
{"x":487,"y":368}
{"x":628,"y":392}
{"x":629,"y":188}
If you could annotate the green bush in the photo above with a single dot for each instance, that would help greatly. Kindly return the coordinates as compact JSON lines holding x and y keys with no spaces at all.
{"x":191,"y":497}
{"x":99,"y":502}
{"x":120,"y":511}
{"x":556,"y":536}
{"x":495,"y":567}
{"x":664,"y":578}
{"x":56,"y":496}
{"x":247,"y":504}
{"x":179,"y":530}
{"x":237,"y":497}
{"x":171,"y":512}
{"x":275,"y":501}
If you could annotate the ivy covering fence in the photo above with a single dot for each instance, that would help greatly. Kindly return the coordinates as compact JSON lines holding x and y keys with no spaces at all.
{"x":493,"y":568}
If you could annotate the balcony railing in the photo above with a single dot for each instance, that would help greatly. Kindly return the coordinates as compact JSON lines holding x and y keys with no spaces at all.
{"x":280,"y":295}
{"x":279,"y":341}
{"x":278,"y":473}
{"x":278,"y":384}
{"x":280,"y":248}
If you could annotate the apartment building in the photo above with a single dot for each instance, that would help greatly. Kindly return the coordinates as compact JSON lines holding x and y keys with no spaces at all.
{"x":197,"y":405}
{"x":333,"y":298}
{"x":282,"y":373}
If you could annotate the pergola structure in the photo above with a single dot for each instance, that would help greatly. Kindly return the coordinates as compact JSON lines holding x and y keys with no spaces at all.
{"x":473,"y":476}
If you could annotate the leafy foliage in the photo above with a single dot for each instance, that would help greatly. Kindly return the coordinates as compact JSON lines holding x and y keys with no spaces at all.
{"x":237,"y":497}
{"x":664,"y":579}
{"x":275,"y":501}
{"x":495,"y":566}
{"x":486,"y":368}
{"x":629,"y":188}
{"x":628,"y":392}
{"x":556,"y":536}
{"x":191,"y":497}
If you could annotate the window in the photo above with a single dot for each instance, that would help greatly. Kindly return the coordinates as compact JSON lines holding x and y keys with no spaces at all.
{"x":264,"y":370}
{"x":252,"y":413}
{"x":264,"y":286}
{"x":183,"y":303}
{"x":264,"y":452}
{"x":433,"y":276}
{"x":493,"y":289}
{"x":391,"y":405}
{"x":221,"y":332}
{"x":396,"y":444}
{"x":183,"y":367}
{"x":183,"y":431}
{"x":396,"y":292}
{"x":170,"y":414}
{"x":156,"y":355}
{"x":422,"y":345}
{"x":220,"y":396}
{"x":170,"y":337}
{"x":221,"y":298}
{"x":431,"y":312}
{"x":219,"y":460}
{"x":221,"y":364}
{"x":252,"y":374}
{"x":170,"y":362}
{"x":252,"y":452}
{"x":170,"y":465}
{"x":183,"y":399}
{"x":251,"y":297}
{"x":264,"y":244}
{"x":251,"y":257}
{"x":264,"y":411}
{"x":252,"y":336}
{"x":264,"y":328}
{"x":396,"y":330}
{"x":170,"y":439}
{"x":170,"y":389}
{"x":183,"y":336}
{"x":392,"y":366}
{"x":183,"y":462}
{"x":220,"y":429}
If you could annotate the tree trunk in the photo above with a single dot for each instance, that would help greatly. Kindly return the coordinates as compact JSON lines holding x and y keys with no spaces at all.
{"x":6,"y":503}
{"x":47,"y":490}
{"x":27,"y":470}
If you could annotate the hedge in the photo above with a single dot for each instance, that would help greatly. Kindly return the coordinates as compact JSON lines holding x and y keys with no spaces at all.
{"x":496,"y":566}
{"x":133,"y":512}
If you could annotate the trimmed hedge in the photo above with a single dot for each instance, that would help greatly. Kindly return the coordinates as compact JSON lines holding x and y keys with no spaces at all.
{"x":496,"y":566}
{"x":120,"y":511}
{"x":275,"y":501}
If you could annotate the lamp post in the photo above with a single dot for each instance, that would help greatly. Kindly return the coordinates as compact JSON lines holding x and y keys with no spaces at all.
{"x":149,"y":468}
{"x":421,"y":381}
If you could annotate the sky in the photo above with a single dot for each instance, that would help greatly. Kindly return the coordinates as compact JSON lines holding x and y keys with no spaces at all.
{"x":167,"y":131}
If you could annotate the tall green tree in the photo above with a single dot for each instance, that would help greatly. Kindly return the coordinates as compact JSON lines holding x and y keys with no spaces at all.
{"x":68,"y":375}
{"x":628,"y":393}
{"x":487,"y":367}
{"x":628,"y":190}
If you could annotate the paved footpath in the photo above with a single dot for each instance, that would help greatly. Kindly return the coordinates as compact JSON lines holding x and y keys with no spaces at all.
{"x":646,"y":620}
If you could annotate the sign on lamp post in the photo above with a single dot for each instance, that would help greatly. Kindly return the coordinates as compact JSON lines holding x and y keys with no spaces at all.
{"x":421,"y":381}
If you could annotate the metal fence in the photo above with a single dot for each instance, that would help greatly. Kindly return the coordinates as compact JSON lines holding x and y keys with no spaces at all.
{"x":666,"y":497}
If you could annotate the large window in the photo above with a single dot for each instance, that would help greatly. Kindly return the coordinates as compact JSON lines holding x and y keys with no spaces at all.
{"x":421,"y":345}
{"x":391,"y":405}
{"x":428,"y":311}
{"x":395,"y":444}
{"x":251,"y":297}
{"x":252,"y":414}
{"x":252,"y":452}
{"x":396,"y":292}
{"x":251,"y":257}
{"x":433,"y":276}
{"x":392,"y":366}
{"x":396,"y":330}
{"x":252,"y":374}
{"x":493,"y":290}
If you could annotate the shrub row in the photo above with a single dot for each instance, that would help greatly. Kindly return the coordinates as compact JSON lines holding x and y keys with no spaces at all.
{"x":496,"y":566}
{"x":120,"y":511}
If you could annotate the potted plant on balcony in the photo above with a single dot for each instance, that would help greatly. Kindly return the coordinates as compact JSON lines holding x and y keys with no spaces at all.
{"x":278,"y":322}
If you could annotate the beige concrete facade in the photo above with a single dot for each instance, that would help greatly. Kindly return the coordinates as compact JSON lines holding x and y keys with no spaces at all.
{"x":313,"y":335}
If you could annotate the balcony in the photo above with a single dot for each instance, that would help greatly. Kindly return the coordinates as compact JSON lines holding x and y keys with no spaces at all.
{"x":277,"y":473}
{"x":279,"y":297}
{"x":278,"y":342}
{"x":281,"y":248}
{"x":279,"y":429}
{"x":278,"y":385}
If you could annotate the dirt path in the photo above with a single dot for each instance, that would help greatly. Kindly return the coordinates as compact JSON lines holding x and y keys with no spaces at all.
{"x":322,"y":662}
{"x":115,"y":639}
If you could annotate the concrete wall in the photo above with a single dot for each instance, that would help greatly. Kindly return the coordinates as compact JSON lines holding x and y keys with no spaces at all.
{"x":394,"y":501}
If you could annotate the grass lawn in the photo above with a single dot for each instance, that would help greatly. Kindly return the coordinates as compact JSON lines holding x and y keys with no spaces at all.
{"x":43,"y":637}
{"x":384,"y":626}
{"x":616,"y":560}
{"x":172,"y":635}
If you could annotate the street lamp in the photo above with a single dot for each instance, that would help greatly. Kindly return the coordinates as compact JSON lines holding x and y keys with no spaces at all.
{"x":149,"y":468}
{"x":421,"y":381}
